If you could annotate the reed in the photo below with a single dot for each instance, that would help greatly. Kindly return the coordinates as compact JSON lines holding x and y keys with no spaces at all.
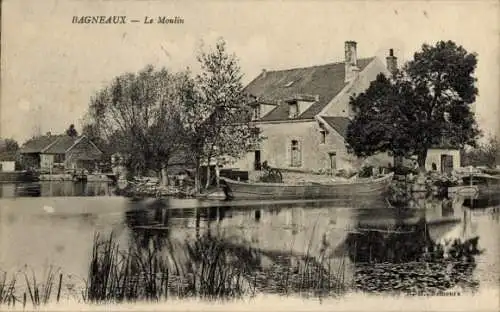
{"x":41,"y":292}
{"x":38,"y":291}
{"x":7,"y":290}
{"x":220,"y":270}
{"x":117,"y":276}
{"x":211,"y":270}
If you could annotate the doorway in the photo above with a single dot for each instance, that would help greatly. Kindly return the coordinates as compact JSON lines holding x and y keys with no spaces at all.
{"x":257,"y":162}
{"x":446,"y":163}
{"x":333,"y":160}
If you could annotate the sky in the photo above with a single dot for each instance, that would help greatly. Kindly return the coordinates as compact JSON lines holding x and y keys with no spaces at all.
{"x":51,"y":67}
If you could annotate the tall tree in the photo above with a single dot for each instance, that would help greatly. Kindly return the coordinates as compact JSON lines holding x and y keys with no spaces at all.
{"x":138,"y":114}
{"x":425,"y":104}
{"x":8,"y":145}
{"x":216,"y":117}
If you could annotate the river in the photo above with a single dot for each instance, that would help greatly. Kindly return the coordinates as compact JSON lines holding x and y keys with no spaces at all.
{"x":57,"y":229}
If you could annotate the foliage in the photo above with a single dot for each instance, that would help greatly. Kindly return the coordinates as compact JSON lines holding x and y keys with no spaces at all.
{"x":71,"y":131}
{"x":425,"y":104}
{"x":8,"y":145}
{"x":134,"y":111}
{"x":216,"y":118}
{"x":485,"y":154}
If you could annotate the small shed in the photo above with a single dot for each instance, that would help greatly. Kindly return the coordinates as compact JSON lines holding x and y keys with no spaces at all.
{"x":7,"y":161}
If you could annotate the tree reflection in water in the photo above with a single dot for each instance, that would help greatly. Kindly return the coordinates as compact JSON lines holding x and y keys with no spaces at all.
{"x":482,"y":202}
{"x":215,"y":263}
{"x":400,"y":257}
{"x":148,"y":223}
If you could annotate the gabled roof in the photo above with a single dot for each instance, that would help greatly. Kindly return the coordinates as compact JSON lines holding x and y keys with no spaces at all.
{"x":49,"y":144}
{"x":61,"y":145}
{"x":323,"y":81}
{"x":37,"y":144}
{"x":340,"y":124}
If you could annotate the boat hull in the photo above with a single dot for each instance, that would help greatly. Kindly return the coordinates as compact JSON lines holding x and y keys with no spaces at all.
{"x":486,"y":184}
{"x":349,"y":190}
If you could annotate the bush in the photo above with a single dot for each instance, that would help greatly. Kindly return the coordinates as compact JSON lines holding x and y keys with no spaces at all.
{"x":403,"y":170}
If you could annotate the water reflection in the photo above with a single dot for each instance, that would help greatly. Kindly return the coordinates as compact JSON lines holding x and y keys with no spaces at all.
{"x":482,"y":201}
{"x":54,"y":188}
{"x":416,"y":245}
{"x":369,"y":248}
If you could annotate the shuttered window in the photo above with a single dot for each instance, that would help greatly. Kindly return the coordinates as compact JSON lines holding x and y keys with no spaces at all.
{"x":296,"y":154}
{"x":322,"y":137}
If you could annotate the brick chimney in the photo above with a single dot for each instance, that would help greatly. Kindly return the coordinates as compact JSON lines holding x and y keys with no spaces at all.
{"x":392,"y":62}
{"x":351,"y":61}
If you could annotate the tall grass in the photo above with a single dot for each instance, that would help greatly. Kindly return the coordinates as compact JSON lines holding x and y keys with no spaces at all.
{"x":213,"y":269}
{"x":38,"y":292}
{"x":210,"y":271}
{"x":115,"y":275}
{"x":7,"y":290}
{"x":208,"y":267}
{"x":41,"y":293}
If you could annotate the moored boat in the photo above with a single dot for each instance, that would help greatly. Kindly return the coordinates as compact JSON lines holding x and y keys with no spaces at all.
{"x":491,"y":171}
{"x":484,"y":183}
{"x":307,"y":190}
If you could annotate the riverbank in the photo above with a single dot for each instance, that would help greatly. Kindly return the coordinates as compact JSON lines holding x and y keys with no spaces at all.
{"x":69,"y":177}
{"x":401,"y":189}
{"x":151,"y":187}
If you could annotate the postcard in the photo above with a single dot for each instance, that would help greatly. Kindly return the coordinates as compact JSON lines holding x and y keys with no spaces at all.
{"x":250,"y":155}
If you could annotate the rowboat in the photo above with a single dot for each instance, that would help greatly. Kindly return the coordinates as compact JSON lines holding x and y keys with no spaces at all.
{"x":464,"y":190}
{"x":490,"y":171}
{"x":307,"y":190}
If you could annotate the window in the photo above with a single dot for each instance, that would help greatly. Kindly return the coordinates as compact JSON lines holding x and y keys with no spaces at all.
{"x":256,"y":112}
{"x":293,"y":110}
{"x":59,"y":158}
{"x":295,"y":154}
{"x":322,"y":134}
{"x":333,"y":160}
